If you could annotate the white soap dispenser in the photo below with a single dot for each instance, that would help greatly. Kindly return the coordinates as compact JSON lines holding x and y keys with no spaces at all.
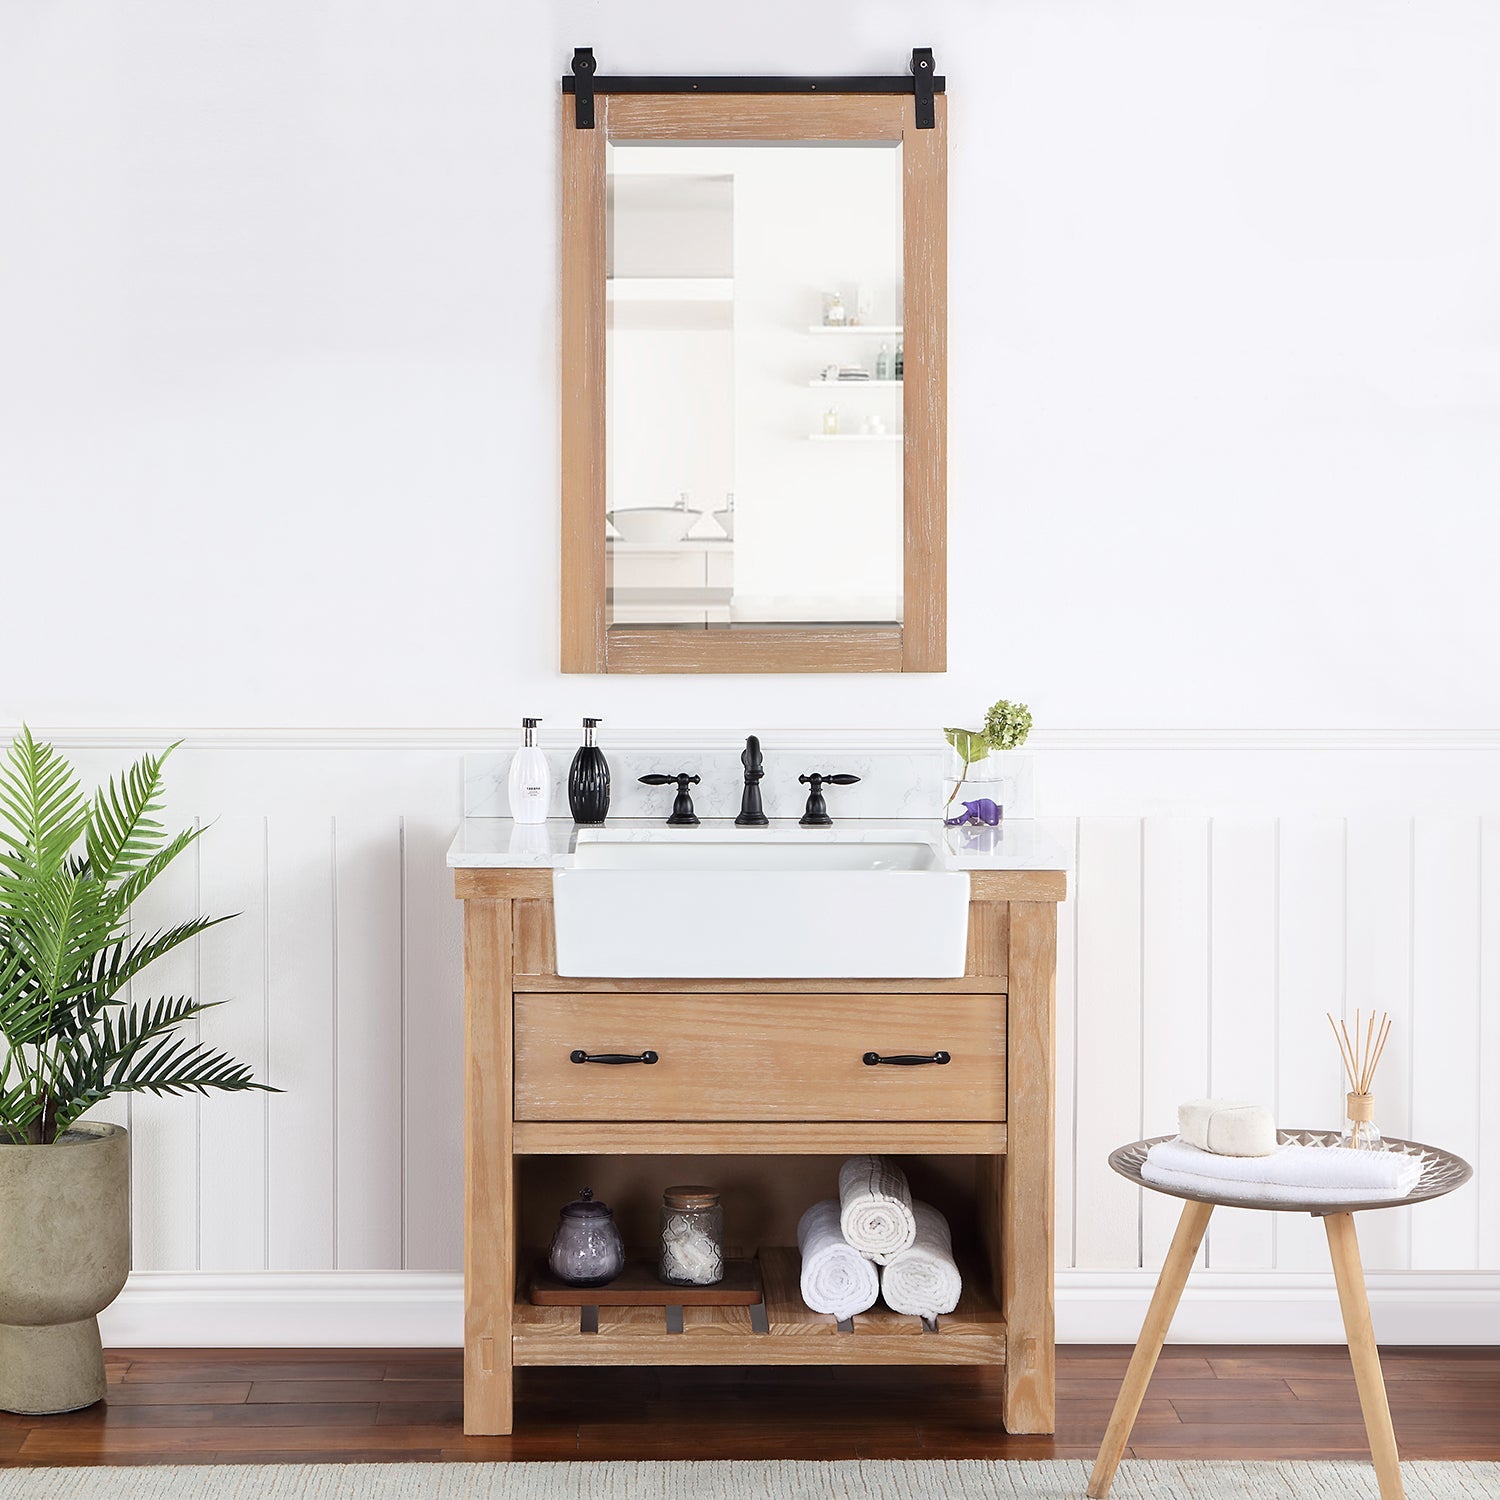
{"x":530,"y":782}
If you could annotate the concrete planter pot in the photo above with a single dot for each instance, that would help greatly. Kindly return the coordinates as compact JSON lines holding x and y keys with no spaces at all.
{"x":64,"y":1256}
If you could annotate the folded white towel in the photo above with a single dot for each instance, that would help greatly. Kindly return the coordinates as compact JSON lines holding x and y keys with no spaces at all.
{"x":1296,"y":1174}
{"x":875,"y":1207}
{"x":1227,"y":1129}
{"x":923,"y":1281}
{"x":836,"y":1278}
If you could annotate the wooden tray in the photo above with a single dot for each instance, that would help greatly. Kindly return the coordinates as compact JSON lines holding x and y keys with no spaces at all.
{"x":639,"y":1286}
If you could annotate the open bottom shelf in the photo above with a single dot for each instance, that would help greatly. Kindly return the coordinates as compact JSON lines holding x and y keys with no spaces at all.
{"x":974,"y":1334}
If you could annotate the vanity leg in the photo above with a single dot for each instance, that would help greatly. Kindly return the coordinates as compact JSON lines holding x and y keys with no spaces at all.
{"x":1354,"y":1302}
{"x":1164,"y":1300}
{"x":489,"y":1169}
{"x":1026,"y":1191}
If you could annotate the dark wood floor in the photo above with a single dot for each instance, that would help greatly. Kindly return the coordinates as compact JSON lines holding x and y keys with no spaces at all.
{"x":186,"y":1406}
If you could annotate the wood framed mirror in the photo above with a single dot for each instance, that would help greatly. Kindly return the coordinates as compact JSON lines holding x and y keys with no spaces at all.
{"x":754,"y":350}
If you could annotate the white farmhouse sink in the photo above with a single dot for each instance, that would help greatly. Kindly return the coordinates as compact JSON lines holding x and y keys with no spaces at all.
{"x":691,"y":904}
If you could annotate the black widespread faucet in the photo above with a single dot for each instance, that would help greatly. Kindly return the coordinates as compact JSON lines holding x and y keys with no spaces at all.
{"x":752,"y":814}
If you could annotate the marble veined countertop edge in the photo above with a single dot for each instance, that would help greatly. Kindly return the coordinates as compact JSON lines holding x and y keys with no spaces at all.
{"x":504,"y":844}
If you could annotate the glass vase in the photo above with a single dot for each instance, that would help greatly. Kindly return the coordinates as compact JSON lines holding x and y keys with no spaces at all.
{"x":982,"y":780}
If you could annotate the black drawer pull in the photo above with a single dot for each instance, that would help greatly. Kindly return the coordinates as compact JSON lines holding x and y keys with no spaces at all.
{"x":907,"y":1059}
{"x":612,"y":1057}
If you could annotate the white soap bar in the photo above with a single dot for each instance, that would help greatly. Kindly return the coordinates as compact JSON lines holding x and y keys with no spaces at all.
{"x":1227,"y":1128}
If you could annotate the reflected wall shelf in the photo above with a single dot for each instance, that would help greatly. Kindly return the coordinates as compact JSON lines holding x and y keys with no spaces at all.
{"x":670,"y":289}
{"x":871,"y":330}
{"x":854,"y":437}
{"x":686,"y":544}
{"x":855,"y":385}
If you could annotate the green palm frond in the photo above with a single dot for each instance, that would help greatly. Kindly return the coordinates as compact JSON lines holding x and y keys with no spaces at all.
{"x":25,"y":1007}
{"x":19,"y":1108}
{"x":173,"y":1065}
{"x":139,"y":1024}
{"x":71,"y":868}
{"x":122,"y":832}
{"x":57,"y":924}
{"x":117,"y":964}
{"x":40,"y":795}
{"x":46,"y":924}
{"x":129,"y":890}
{"x":135,"y":1052}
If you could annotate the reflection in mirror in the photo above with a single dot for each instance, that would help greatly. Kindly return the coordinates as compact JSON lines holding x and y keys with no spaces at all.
{"x":754,"y":397}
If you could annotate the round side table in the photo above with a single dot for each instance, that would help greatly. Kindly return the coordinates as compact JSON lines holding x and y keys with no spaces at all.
{"x":1441,"y":1173}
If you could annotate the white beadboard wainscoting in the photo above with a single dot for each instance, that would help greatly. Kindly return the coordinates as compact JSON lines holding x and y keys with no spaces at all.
{"x":1227,"y":890}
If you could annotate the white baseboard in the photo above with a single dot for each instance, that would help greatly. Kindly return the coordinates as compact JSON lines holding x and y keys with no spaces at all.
{"x":422,"y":1309}
{"x":287,"y":1310}
{"x":1281,"y":1307}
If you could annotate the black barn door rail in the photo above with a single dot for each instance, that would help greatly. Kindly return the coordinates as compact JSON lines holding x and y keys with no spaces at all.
{"x":583,"y":83}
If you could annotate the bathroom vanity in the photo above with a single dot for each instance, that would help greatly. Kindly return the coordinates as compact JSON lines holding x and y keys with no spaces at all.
{"x":760,"y":1085}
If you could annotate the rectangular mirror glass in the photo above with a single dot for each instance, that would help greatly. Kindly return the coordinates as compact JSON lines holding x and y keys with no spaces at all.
{"x":753,"y":372}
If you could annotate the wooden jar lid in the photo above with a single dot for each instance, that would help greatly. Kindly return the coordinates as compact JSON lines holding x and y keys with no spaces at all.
{"x":690,"y":1196}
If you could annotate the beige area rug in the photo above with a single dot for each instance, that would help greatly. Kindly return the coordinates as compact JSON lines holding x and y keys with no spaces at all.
{"x":1053,"y":1479}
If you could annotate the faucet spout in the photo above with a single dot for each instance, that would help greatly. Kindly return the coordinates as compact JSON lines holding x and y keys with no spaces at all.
{"x":752,"y":815}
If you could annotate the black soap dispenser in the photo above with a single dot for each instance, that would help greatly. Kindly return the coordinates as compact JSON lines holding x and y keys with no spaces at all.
{"x":588,"y":779}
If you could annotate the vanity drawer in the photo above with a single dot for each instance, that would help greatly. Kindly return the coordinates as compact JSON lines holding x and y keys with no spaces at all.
{"x":759,"y":1057}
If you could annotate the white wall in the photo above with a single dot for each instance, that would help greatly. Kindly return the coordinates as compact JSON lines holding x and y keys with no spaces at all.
{"x":279,"y":309}
{"x":277,"y":418}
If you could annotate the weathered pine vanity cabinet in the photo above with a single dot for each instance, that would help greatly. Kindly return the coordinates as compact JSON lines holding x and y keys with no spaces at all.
{"x":760,"y":1083}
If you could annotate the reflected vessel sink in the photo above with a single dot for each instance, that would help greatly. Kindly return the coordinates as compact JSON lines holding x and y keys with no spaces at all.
{"x":762,"y":904}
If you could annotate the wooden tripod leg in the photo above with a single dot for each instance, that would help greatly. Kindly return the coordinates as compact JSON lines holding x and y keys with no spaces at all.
{"x":1343,"y":1246}
{"x":1169,"y":1285}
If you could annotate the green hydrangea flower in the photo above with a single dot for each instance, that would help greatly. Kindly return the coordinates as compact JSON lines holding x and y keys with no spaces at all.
{"x":1006,"y":725}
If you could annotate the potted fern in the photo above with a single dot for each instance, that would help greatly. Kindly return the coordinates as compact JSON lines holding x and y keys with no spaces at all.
{"x":70,"y":868}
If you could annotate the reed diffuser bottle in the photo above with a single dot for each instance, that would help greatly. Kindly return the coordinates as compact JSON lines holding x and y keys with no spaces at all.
{"x":1361,"y":1055}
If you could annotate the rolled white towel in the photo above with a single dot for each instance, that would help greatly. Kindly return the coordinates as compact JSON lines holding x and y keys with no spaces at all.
{"x":922,"y":1280}
{"x":1227,"y":1129}
{"x":875,"y":1207}
{"x":836,"y":1278}
{"x":1292,"y":1173}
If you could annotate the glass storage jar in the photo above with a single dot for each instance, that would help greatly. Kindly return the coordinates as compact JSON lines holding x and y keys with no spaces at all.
{"x":692,"y":1236}
{"x":586,"y":1249}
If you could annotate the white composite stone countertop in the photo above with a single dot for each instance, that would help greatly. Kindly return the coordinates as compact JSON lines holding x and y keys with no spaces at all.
{"x":503,"y":844}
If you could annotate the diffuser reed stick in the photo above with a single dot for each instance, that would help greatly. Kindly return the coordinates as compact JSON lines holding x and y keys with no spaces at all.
{"x":1361,"y":1054}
